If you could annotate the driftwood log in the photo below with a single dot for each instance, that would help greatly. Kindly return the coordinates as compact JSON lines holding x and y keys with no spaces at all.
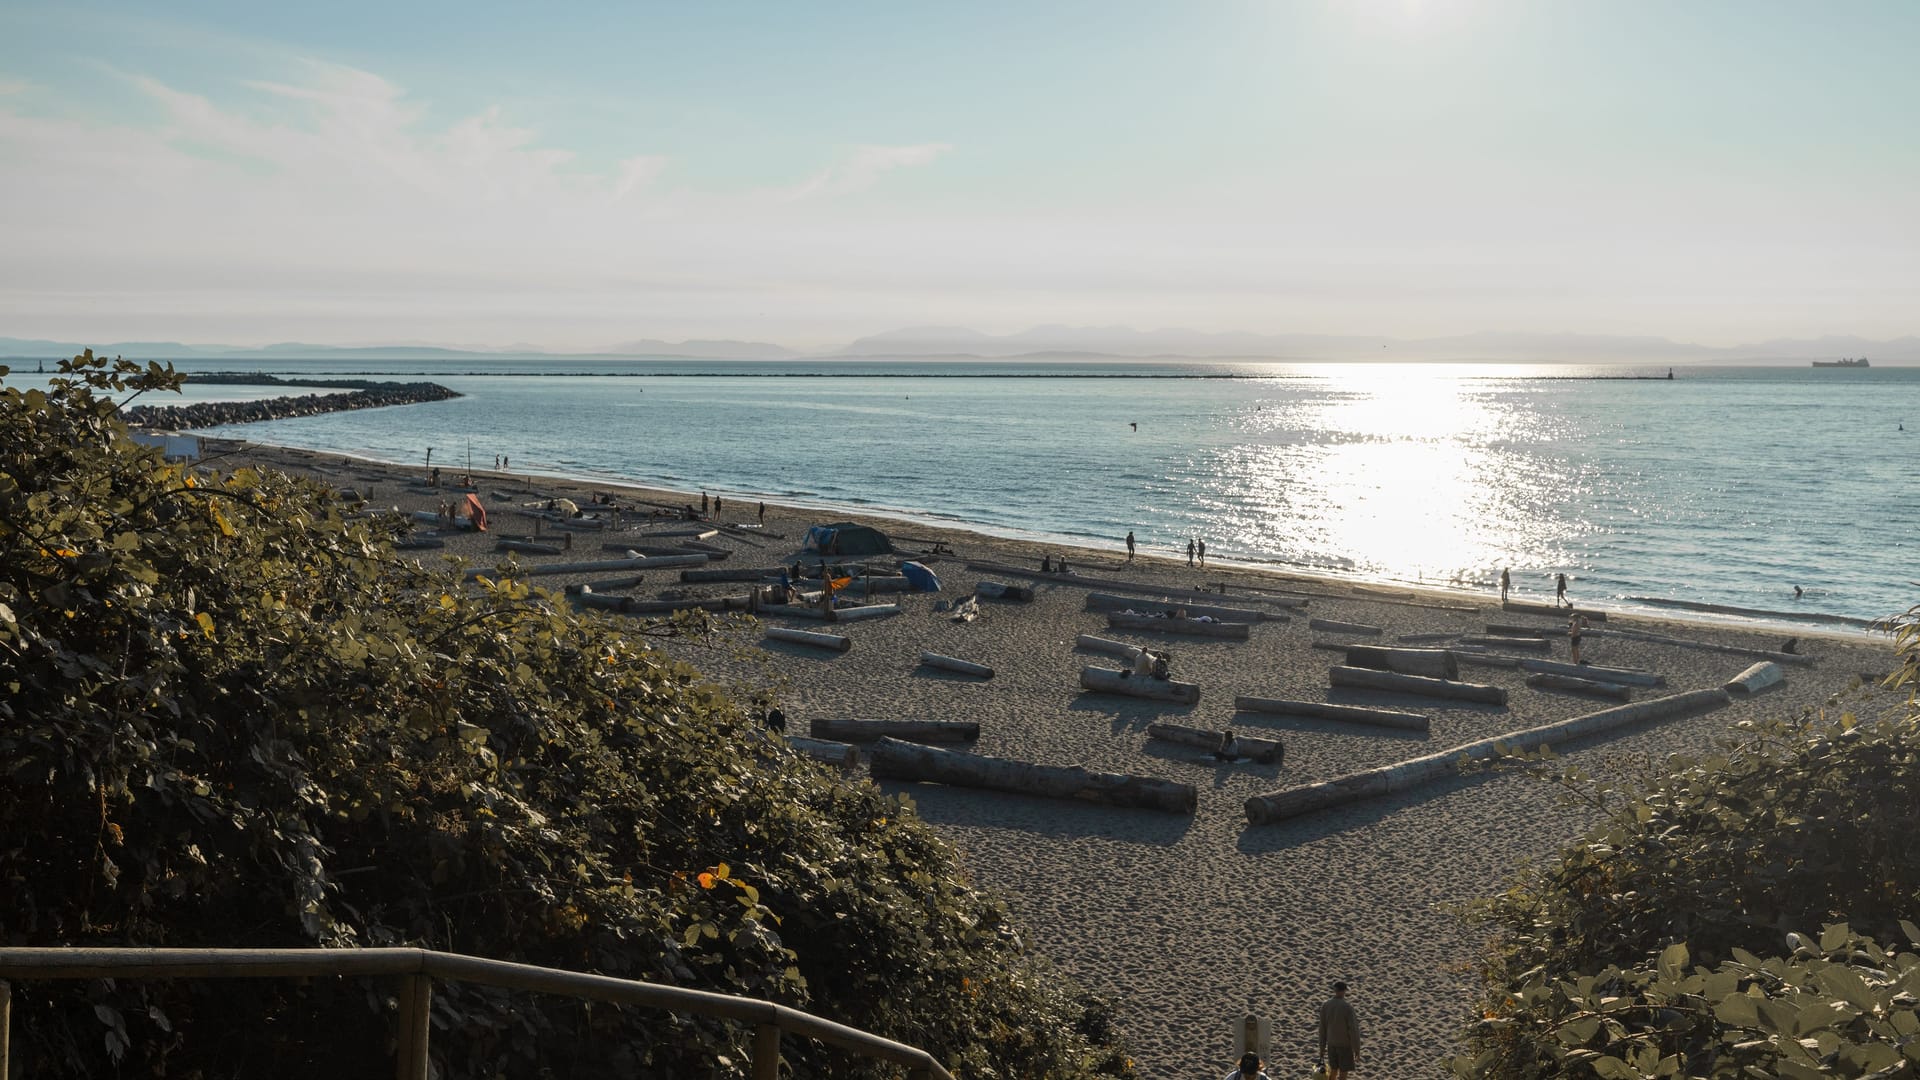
{"x":1561,"y":611}
{"x":596,"y":567}
{"x":999,"y":590}
{"x":898,"y":760}
{"x":1110,"y":602}
{"x":1321,"y":710}
{"x":1709,"y":646}
{"x":1107,"y":645}
{"x":836,"y":642}
{"x":1280,"y":805}
{"x":1475,"y":656}
{"x":1578,"y":685}
{"x":837,"y":753}
{"x":870,"y":611}
{"x":1433,"y":663}
{"x":1253,"y":748}
{"x":1516,"y":630}
{"x":1426,"y":639}
{"x":737,"y":573}
{"x":1167,"y":624}
{"x":848,"y":730}
{"x":1759,"y":677}
{"x":1334,"y":626}
{"x":1122,"y":585}
{"x":636,"y":606}
{"x":1501,"y":641}
{"x":1624,"y":676}
{"x":523,"y":548}
{"x":1108,"y":681}
{"x":1368,"y":679}
{"x":687,"y":532}
{"x":954,"y":663}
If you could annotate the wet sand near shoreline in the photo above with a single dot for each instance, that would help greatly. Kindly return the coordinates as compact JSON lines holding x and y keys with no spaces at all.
{"x":1188,"y":922}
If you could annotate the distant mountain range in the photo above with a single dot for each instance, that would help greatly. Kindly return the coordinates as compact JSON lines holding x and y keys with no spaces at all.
{"x":1091,"y":342}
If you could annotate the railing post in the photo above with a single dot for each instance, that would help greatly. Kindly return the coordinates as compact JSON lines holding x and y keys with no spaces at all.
{"x":6,"y":1029}
{"x":416,"y":1001}
{"x":766,"y":1052}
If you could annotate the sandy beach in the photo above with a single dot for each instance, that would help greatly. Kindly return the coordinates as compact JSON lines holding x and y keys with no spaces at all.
{"x":1188,"y":922}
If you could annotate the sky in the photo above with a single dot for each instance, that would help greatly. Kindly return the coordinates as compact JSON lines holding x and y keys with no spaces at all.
{"x":578,"y":175}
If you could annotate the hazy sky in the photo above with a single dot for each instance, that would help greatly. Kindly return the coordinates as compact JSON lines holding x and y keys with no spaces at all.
{"x":581,"y":174}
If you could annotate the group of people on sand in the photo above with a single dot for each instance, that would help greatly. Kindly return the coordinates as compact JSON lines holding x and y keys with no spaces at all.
{"x":1196,"y":548}
{"x":1339,"y":1044}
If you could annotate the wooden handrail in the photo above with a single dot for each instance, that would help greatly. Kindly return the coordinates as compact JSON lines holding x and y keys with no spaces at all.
{"x":419,"y":966}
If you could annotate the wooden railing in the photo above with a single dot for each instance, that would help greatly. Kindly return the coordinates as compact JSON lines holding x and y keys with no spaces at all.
{"x":417,"y":968}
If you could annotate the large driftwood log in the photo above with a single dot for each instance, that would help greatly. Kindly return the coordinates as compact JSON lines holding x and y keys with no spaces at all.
{"x":870,"y":611}
{"x":1474,"y":656}
{"x":1112,"y":603}
{"x":637,"y":606}
{"x":1624,"y":676}
{"x":737,"y":573}
{"x":1516,"y":630}
{"x":1558,"y":611}
{"x":1433,"y":663}
{"x":850,"y":730}
{"x":1321,"y":710}
{"x":1122,"y":585}
{"x":836,"y":753}
{"x":836,"y":642}
{"x":954,"y":663}
{"x":897,"y":760}
{"x":687,"y":532}
{"x":1759,"y":677}
{"x":1368,"y":679}
{"x":595,"y":567}
{"x":888,"y":583}
{"x":1709,"y":646}
{"x":1578,"y":685}
{"x":1108,"y":681}
{"x":1500,"y":641}
{"x":1108,"y":645}
{"x":1253,"y":748}
{"x":798,"y":611}
{"x":998,"y":590}
{"x":1280,"y":805}
{"x":1167,"y":624}
{"x":1334,"y":626}
{"x":1427,"y":639}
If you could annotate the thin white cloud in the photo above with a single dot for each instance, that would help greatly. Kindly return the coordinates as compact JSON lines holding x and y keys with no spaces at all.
{"x":862,"y":169}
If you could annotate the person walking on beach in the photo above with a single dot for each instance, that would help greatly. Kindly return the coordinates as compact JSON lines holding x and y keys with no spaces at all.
{"x":1129,"y":545}
{"x":1249,"y":1069}
{"x":763,"y":513}
{"x":1506,"y":582}
{"x":1560,"y":589}
{"x":1189,"y":551}
{"x":1339,"y":1034}
{"x":1202,"y":546}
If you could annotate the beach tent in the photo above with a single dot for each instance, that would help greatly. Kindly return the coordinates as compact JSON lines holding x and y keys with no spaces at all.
{"x":846,"y":538}
{"x":921,"y":578}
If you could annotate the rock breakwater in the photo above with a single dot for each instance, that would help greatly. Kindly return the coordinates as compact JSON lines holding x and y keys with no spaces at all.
{"x":367,"y":395}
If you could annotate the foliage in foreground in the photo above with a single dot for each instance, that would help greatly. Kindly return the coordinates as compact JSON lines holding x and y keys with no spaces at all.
{"x":231,"y":717}
{"x":1743,"y":915}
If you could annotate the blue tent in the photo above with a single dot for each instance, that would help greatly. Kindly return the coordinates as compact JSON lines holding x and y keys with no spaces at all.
{"x":846,"y":538}
{"x":921,"y":578}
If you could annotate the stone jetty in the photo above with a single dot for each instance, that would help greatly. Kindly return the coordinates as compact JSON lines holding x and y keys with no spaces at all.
{"x":359,"y":394}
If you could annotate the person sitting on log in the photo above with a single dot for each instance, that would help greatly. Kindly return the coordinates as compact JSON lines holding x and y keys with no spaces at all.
{"x":1046,"y":564}
{"x":1161,"y":667}
{"x":1229,"y":749}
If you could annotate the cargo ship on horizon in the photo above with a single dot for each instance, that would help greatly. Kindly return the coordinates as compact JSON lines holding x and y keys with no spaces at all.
{"x":1861,"y":362}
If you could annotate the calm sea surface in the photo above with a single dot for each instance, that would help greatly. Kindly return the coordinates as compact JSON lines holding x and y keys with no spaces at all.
{"x":1724,"y":485}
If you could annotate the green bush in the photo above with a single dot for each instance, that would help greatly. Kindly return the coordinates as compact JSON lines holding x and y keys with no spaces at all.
{"x":1725,"y":918}
{"x":230,"y":716}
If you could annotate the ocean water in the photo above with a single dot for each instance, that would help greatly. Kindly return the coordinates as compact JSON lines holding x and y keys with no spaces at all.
{"x":1724,"y":486}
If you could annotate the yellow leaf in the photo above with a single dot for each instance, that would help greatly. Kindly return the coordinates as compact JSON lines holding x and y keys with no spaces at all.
{"x":705,"y":879}
{"x":722,"y":871}
{"x":446,"y":600}
{"x":220,"y":520}
{"x":206,"y":622}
